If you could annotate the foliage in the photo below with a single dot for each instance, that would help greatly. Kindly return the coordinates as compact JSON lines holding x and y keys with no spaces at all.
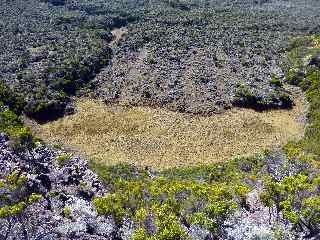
{"x":249,"y":98}
{"x":12,"y":124}
{"x":10,"y":99}
{"x":63,"y":158}
{"x":66,"y":212}
{"x":276,"y":82}
{"x":199,"y":195}
{"x":207,"y":195}
{"x":14,"y":195}
{"x":63,"y":48}
{"x":44,"y":70}
{"x":167,"y":201}
{"x":47,"y":68}
{"x":306,"y":74}
{"x":139,"y":234}
{"x":297,"y":196}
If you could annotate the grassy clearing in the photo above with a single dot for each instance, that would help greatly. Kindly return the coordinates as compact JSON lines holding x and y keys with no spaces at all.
{"x":162,"y":139}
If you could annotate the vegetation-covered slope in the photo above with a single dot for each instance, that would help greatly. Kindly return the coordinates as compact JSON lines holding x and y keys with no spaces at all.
{"x":204,"y":56}
{"x":189,"y":56}
{"x":48,"y":53}
{"x":53,"y":48}
{"x":274,"y":195}
{"x":288,"y":185}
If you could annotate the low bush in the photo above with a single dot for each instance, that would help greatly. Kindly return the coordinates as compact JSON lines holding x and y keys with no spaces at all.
{"x":296,"y":196}
{"x":14,"y":195}
{"x":189,"y":195}
{"x":63,"y":158}
{"x":10,"y":99}
{"x":12,"y":124}
{"x":248,"y":98}
{"x":276,"y":82}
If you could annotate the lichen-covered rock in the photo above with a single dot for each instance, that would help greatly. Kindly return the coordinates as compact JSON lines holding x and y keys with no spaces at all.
{"x":195,"y":232}
{"x":65,"y":210}
{"x":258,"y":223}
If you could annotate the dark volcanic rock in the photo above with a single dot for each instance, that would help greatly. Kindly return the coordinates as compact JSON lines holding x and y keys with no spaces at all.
{"x":315,"y":61}
{"x":57,"y":2}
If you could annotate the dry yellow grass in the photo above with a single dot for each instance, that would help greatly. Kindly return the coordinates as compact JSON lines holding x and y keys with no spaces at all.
{"x":315,"y":42}
{"x":161,"y":139}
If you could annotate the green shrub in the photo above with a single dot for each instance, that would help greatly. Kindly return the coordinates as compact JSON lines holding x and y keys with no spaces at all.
{"x":63,"y":158}
{"x":276,"y":82}
{"x":10,"y":119}
{"x":245,"y":97}
{"x":168,"y":227}
{"x":241,"y":192}
{"x":12,"y":124}
{"x":297,"y":198}
{"x":66,"y":212}
{"x":9,"y":98}
{"x":14,"y":197}
{"x":139,"y":234}
{"x":167,"y":200}
{"x":43,"y":110}
{"x":308,"y":78}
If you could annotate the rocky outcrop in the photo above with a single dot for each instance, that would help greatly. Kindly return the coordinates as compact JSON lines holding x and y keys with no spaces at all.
{"x":65,"y":210}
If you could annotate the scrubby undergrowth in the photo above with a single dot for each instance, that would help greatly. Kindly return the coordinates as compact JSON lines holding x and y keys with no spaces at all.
{"x":49,"y":53}
{"x":49,"y":194}
{"x":203,"y":57}
{"x":188,"y":56}
{"x":274,"y":195}
{"x":288,"y":185}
